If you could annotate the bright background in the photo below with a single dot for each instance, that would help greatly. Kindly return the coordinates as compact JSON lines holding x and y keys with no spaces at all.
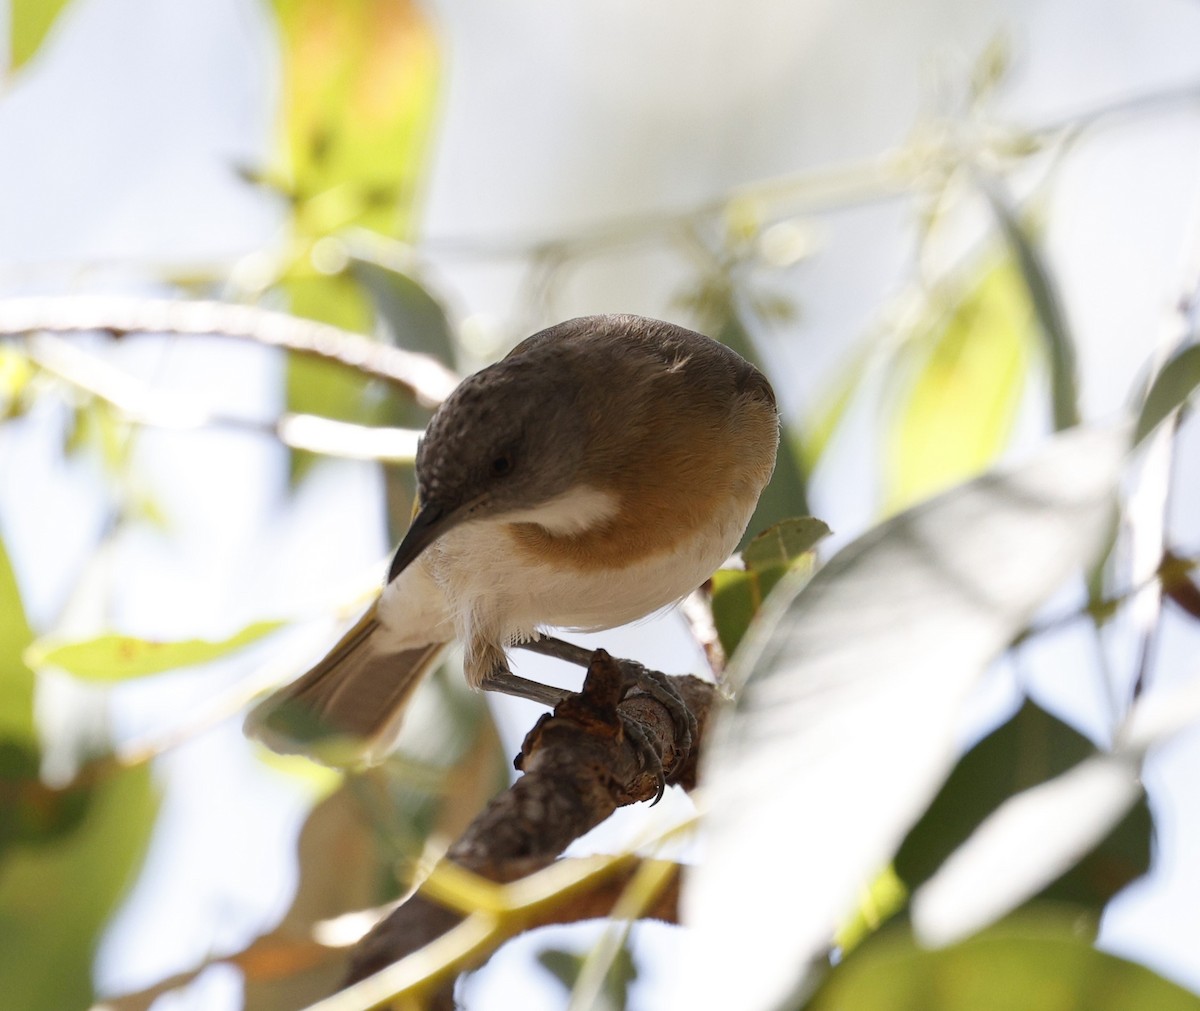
{"x":562,"y":136}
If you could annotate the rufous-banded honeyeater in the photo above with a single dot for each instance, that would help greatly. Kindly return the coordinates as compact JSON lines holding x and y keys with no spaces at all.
{"x":600,"y":472}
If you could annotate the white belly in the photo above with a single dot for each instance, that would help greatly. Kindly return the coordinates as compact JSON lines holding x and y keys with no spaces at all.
{"x":474,"y":585}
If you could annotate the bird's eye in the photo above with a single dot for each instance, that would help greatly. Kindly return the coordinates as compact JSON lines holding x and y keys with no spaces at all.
{"x":502,"y":464}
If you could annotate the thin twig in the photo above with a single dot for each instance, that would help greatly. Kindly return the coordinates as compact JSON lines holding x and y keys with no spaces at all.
{"x":425,"y":378}
{"x":881,"y":177}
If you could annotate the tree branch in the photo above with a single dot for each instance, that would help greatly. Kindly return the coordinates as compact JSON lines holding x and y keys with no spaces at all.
{"x":139,"y":404}
{"x":580,"y":765}
{"x":425,"y":378}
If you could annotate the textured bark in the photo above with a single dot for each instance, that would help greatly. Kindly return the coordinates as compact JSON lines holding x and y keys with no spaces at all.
{"x":581,"y":763}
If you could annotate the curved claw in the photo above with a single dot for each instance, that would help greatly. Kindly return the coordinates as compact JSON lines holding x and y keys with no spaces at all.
{"x":661,"y":688}
{"x":648,"y":756}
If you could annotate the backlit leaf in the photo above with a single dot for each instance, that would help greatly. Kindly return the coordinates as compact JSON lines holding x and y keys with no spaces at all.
{"x":1029,"y":964}
{"x":30,"y":22}
{"x":120,"y":657}
{"x":737,"y":594}
{"x":959,"y":410}
{"x":56,"y":897}
{"x":16,"y":679}
{"x":360,"y":81}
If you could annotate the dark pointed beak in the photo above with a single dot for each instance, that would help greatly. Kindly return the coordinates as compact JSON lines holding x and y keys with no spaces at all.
{"x":431,"y":521}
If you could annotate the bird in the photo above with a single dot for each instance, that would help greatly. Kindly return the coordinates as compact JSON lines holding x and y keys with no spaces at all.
{"x":598,"y":473}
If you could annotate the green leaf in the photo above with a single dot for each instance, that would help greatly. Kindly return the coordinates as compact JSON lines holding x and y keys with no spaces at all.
{"x":565,"y":967}
{"x":1175,"y":382}
{"x":30,"y":22}
{"x":109,"y":658}
{"x":416,"y":320}
{"x":57,"y":896}
{"x":1027,"y":964}
{"x":360,"y":84}
{"x":1060,"y":346}
{"x":1024,"y":845}
{"x":1031,"y":748}
{"x":32,"y":811}
{"x":958,"y":412}
{"x":784,"y":543}
{"x":324,"y":388}
{"x":16,"y":371}
{"x":850,"y":689}
{"x":786,"y":494}
{"x":737,"y":594}
{"x":16,"y":679}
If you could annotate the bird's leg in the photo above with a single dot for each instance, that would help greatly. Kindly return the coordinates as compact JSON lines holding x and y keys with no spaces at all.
{"x":654,"y":683}
{"x":508,"y":683}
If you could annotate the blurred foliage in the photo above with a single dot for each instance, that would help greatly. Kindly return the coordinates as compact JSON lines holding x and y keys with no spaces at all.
{"x":1174,"y":384}
{"x":1030,"y":748}
{"x":110,"y":658}
{"x":1030,"y":963}
{"x":565,"y":967}
{"x":1061,"y":355}
{"x":956,"y":413}
{"x":30,"y":22}
{"x":67,"y":854}
{"x":786,"y":493}
{"x":359,"y":96}
{"x":57,"y":893}
{"x":16,"y":679}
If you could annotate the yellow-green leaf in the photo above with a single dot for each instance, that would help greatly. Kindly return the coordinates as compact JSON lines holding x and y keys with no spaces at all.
{"x":785,"y":542}
{"x":737,"y":594}
{"x":56,"y":897}
{"x":1035,"y":963}
{"x":30,"y":22}
{"x":957,"y":413}
{"x":16,"y":679}
{"x":15,"y":373}
{"x":109,"y":658}
{"x":360,"y":82}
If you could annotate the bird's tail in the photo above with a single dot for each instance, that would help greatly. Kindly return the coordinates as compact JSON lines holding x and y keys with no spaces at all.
{"x":347,"y":710}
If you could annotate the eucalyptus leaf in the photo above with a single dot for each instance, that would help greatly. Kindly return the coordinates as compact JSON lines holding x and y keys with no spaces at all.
{"x":56,"y":897}
{"x":415,"y":319}
{"x":1030,"y":748}
{"x":852,"y":687}
{"x":1034,"y":963}
{"x":30,"y":22}
{"x":1032,"y":839}
{"x":956,"y":414}
{"x":109,"y":658}
{"x":1060,"y":345}
{"x":16,"y":679}
{"x":1176,"y":381}
{"x":738,"y":594}
{"x":1038,"y":834}
{"x":783,"y":543}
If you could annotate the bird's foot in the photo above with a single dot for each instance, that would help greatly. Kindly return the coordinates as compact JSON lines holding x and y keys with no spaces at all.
{"x":662,"y":689}
{"x":634,"y":676}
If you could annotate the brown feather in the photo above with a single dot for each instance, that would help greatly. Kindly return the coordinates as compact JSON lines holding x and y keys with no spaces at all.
{"x":347,"y":710}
